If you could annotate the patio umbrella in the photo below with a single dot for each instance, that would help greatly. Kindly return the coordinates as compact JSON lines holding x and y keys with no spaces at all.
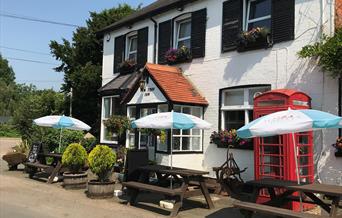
{"x":290,"y":121}
{"x":61,"y":122}
{"x":171,"y":120}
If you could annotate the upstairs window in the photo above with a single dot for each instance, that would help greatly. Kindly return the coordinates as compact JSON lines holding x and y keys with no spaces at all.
{"x":132,"y":48}
{"x":183,"y":37}
{"x":258,"y":14}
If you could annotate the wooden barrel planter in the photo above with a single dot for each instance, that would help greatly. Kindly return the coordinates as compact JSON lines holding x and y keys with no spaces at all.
{"x":75,"y":181}
{"x":14,"y":159}
{"x":98,"y":189}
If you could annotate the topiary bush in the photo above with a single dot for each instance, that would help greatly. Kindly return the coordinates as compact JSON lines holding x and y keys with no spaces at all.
{"x":101,"y":161}
{"x":74,"y":157}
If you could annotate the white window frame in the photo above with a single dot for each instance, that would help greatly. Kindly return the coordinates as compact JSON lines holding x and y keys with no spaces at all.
{"x":129,"y":38}
{"x":246,"y":11}
{"x":177,"y":23}
{"x":129,"y":132}
{"x":246,"y":107}
{"x":200,"y":136}
{"x":103,"y":140}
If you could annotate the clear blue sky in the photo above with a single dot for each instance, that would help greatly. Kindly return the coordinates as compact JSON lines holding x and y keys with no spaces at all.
{"x":35,"y":36}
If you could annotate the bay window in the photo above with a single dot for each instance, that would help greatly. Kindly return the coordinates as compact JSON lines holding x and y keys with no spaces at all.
{"x":110,"y":106}
{"x":187,"y":139}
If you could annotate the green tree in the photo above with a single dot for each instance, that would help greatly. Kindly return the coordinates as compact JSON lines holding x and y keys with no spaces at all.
{"x":35,"y":104}
{"x":82,"y":64}
{"x":6,"y":71}
{"x":329,"y":52}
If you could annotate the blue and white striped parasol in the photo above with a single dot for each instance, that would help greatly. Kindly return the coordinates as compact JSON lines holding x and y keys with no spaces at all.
{"x":61,"y":122}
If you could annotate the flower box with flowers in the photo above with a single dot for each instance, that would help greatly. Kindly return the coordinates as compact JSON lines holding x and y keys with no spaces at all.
{"x":255,"y":38}
{"x":227,"y":139}
{"x":180,"y":55}
{"x":127,"y":66}
{"x":338,"y":146}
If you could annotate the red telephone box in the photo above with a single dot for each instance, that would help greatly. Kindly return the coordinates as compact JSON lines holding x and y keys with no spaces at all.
{"x":274,"y":156}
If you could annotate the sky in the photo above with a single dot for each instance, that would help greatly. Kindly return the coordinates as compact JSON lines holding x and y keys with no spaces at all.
{"x":34,"y":37}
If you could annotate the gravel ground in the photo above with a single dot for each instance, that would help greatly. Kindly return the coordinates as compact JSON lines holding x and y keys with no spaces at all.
{"x":23,"y":197}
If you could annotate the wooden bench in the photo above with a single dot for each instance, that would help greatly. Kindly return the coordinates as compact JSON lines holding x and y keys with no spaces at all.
{"x":135,"y":187}
{"x":260,"y":208}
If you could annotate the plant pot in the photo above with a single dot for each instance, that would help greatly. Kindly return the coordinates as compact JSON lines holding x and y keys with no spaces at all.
{"x":75,"y":181}
{"x":259,"y":43}
{"x":14,"y":159}
{"x":99,"y":190}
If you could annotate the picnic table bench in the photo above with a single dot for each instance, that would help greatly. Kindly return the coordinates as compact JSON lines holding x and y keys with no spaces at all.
{"x":180,"y":175}
{"x":290,"y":187}
{"x":37,"y":162}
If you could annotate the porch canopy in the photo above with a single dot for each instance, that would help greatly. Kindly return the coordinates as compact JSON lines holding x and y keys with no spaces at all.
{"x":120,"y":84}
{"x":163,"y":88}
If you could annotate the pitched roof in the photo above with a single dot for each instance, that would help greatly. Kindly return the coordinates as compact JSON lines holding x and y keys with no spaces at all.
{"x":150,"y":10}
{"x":174,"y":85}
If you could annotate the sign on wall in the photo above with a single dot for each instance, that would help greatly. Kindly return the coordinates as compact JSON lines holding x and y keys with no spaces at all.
{"x":151,"y":94}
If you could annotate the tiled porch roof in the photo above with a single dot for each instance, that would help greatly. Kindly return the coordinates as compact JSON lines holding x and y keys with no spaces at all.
{"x":174,"y":85}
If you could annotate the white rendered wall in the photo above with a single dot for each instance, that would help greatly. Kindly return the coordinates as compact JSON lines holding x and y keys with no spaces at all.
{"x":279,"y":66}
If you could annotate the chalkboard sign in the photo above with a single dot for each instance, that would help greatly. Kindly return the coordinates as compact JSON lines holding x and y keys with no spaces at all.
{"x":35,"y":149}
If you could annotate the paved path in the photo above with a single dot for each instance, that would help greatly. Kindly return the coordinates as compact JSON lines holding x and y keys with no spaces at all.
{"x":21,"y":197}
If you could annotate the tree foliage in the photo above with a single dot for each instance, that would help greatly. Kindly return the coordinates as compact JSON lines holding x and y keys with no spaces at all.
{"x":329,"y":52}
{"x":35,"y":104}
{"x":82,"y":63}
{"x":6,"y":72}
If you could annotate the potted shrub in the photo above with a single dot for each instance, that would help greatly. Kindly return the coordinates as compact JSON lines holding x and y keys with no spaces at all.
{"x":127,"y":66}
{"x":338,"y":146}
{"x":175,"y":56}
{"x":101,"y":162}
{"x":74,"y":158}
{"x":256,"y":38}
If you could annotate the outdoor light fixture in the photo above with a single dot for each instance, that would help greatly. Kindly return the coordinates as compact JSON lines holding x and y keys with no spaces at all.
{"x":142,"y":84}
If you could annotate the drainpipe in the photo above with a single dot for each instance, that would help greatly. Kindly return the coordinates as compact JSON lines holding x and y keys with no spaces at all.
{"x":155,"y":40}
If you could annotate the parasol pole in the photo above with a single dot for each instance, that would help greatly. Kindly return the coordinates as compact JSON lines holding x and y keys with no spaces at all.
{"x":60,"y":140}
{"x":297,"y":171}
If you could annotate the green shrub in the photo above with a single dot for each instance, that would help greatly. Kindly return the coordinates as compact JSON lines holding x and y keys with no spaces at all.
{"x":50,"y":136}
{"x":88,"y":142}
{"x":74,"y":157}
{"x":8,"y":130}
{"x":101,"y":161}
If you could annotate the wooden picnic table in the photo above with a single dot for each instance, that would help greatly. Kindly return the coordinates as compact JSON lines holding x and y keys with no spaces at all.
{"x":290,"y":187}
{"x":53,"y":169}
{"x":179,"y":175}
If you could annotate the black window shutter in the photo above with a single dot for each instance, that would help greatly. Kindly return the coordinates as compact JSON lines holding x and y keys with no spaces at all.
{"x":231,"y":23}
{"x":164,"y":40}
{"x":119,"y":52}
{"x":142,"y":47}
{"x":283,"y":20}
{"x":198,"y":29}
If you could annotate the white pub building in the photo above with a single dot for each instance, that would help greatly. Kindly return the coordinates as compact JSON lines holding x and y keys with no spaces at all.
{"x":190,"y":56}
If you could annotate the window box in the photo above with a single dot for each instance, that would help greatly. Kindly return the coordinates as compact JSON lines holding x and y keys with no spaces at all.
{"x":256,"y":38}
{"x":127,"y":67}
{"x":176,"y":56}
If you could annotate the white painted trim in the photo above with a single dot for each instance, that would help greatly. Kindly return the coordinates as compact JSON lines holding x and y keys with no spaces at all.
{"x":177,"y":22}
